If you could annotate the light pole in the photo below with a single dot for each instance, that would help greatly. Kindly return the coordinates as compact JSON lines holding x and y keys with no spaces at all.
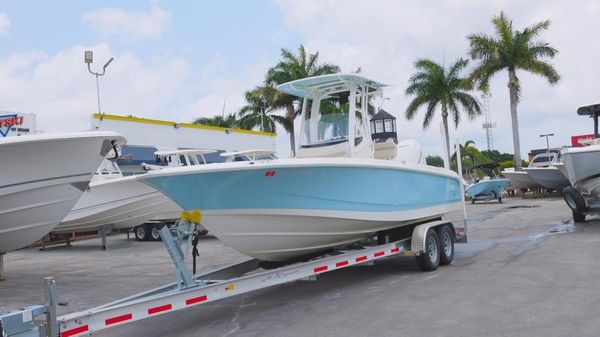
{"x":547,"y":142}
{"x":88,"y":59}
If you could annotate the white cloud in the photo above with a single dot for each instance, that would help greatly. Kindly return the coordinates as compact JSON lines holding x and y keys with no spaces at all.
{"x":116,"y":22}
{"x":386,"y":37}
{"x":60,"y":90}
{"x":4,"y":23}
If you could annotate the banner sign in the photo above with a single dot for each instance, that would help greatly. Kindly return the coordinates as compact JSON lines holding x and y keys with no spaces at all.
{"x":15,"y":124}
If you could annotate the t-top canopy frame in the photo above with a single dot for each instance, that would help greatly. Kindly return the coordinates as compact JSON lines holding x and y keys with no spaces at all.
{"x":321,"y":86}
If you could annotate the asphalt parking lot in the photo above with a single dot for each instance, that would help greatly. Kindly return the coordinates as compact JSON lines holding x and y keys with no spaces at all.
{"x":527,"y":270}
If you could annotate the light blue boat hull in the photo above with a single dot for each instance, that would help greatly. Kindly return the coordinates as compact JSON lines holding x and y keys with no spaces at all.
{"x":319,"y":188}
{"x":487,"y":188}
{"x":277,"y":212}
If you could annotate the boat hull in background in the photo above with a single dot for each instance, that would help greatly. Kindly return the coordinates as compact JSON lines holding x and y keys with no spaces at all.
{"x":548,"y":177}
{"x":117,"y":203}
{"x":37,"y":189}
{"x":281,"y":209}
{"x":519,"y":179}
{"x":487,"y":188}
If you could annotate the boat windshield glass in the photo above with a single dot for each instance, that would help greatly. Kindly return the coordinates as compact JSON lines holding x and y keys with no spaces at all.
{"x":329,"y":124}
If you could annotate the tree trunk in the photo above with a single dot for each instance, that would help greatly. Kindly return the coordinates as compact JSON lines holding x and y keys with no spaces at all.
{"x":512,"y":85}
{"x":290,"y":117}
{"x":445,"y":120}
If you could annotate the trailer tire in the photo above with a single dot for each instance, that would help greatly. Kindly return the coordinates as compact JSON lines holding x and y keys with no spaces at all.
{"x":574,"y":199}
{"x":446,"y":238}
{"x":430,"y":259}
{"x":141,"y":232}
{"x":578,"y":217}
{"x":155,"y":232}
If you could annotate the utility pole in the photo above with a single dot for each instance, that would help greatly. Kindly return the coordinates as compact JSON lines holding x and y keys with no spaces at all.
{"x":488,"y":124}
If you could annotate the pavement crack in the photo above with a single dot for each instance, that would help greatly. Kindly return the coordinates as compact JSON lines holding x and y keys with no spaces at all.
{"x":236,"y":325}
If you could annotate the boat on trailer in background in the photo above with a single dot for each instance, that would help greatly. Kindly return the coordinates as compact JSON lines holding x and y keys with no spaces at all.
{"x":113,"y":201}
{"x":332,"y":193}
{"x":488,"y":188}
{"x":521,"y":179}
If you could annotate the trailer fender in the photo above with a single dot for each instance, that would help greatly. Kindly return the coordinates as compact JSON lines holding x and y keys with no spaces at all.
{"x":417,"y":245}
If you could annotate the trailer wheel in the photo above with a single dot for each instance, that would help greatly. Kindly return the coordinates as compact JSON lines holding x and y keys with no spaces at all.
{"x":155,"y":232}
{"x":141,"y":233}
{"x":446,"y":244}
{"x":578,"y":217}
{"x":574,"y":199}
{"x":430,"y":259}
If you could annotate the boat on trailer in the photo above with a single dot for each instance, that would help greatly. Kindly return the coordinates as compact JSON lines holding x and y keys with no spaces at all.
{"x":488,"y":188}
{"x":37,"y":189}
{"x":522,"y":179}
{"x":332,"y":193}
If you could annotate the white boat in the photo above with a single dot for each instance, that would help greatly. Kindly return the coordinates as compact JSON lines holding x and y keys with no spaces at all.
{"x":114,"y":201}
{"x":333,"y":193}
{"x":549,"y":177}
{"x":581,"y":166}
{"x":37,"y":188}
{"x":521,"y":179}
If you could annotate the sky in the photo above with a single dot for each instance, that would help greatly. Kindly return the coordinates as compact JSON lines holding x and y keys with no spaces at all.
{"x":180,"y":60}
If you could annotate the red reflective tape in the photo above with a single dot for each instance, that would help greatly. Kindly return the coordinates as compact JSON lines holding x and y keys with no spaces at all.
{"x":361,"y":258}
{"x":269,"y":173}
{"x":395,"y":250}
{"x":158,"y":309}
{"x":378,"y":254}
{"x":195,"y":300}
{"x":320,"y":269}
{"x":341,"y":264}
{"x":74,"y":331}
{"x":118,"y":319}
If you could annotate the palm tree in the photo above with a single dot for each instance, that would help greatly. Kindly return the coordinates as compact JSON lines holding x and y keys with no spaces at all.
{"x":294,"y":67}
{"x":229,"y":121}
{"x":261,"y":102}
{"x":512,"y":50}
{"x":434,"y":85}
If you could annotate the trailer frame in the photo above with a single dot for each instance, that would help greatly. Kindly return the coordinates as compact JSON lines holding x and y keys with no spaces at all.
{"x":192,"y":290}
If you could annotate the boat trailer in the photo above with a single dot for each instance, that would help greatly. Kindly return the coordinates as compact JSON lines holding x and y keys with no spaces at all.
{"x":192,"y":290}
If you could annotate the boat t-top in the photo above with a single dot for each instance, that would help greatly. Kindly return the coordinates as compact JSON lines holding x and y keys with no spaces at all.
{"x":334,"y":191}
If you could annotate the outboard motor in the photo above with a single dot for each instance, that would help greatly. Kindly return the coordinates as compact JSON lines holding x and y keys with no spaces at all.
{"x":409,"y":152}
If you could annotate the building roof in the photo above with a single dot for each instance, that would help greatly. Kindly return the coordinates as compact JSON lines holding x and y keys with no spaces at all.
{"x":382,"y":114}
